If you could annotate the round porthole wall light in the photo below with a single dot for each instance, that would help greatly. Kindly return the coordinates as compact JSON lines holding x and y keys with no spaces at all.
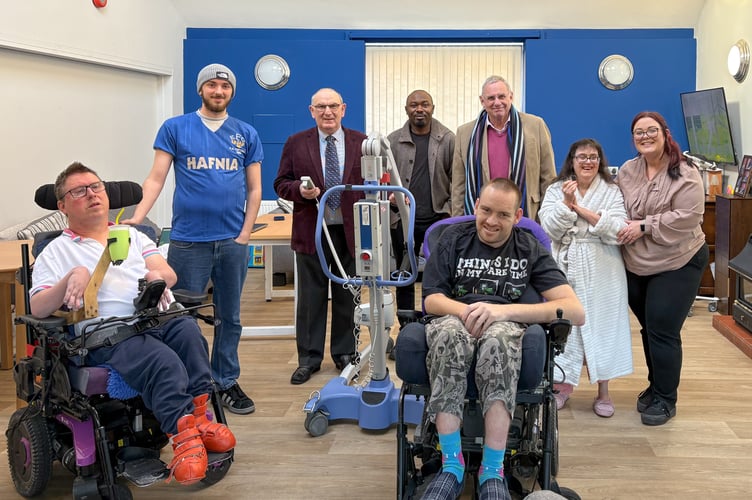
{"x":615,"y":72}
{"x":738,"y":60}
{"x":272,"y":72}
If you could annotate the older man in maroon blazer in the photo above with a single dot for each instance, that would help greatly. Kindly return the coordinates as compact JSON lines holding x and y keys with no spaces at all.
{"x":330,"y":155}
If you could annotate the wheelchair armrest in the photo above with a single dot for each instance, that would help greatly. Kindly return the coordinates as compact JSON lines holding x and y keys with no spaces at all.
{"x":408,"y":316}
{"x":49,"y":323}
{"x":410,"y":352}
{"x":188,"y":298}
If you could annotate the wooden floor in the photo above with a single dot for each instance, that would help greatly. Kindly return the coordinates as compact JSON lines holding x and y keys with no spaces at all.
{"x":705,"y":452}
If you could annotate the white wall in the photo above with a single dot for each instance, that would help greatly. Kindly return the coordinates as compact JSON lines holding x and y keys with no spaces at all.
{"x":146,"y":36}
{"x":721,"y":24}
{"x":133,"y":47}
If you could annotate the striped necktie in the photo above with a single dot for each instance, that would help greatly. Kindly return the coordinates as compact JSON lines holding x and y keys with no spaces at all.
{"x":332,"y":172}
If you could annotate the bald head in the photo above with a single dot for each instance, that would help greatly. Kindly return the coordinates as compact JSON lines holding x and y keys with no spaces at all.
{"x":419,"y":108}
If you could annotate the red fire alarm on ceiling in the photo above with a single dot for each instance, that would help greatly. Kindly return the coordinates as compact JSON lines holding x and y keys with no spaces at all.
{"x":99,"y":3}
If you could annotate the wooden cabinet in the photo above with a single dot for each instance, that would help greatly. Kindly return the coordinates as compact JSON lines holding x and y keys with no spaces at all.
{"x":707,"y":284}
{"x":733,"y":226}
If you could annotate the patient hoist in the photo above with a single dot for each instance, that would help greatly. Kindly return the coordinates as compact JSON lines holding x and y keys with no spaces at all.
{"x":374,"y":405}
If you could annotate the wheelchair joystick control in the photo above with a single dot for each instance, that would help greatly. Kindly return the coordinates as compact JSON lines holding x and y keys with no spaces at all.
{"x":559,"y":330}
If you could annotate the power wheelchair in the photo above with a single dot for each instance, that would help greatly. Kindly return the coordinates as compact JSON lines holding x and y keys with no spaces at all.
{"x":532,"y":455}
{"x":87,"y":417}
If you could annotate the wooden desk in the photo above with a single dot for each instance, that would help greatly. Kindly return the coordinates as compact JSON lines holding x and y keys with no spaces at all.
{"x":10,"y":262}
{"x":276,"y":233}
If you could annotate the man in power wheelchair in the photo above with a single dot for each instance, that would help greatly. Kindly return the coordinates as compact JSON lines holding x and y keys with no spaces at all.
{"x":477,"y":287}
{"x":162,"y":356}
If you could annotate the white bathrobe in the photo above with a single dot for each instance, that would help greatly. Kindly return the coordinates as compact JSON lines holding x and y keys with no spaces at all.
{"x":591,"y":259}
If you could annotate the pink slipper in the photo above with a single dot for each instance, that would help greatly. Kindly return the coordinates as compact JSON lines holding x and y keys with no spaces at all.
{"x":561,"y":399}
{"x":563,"y":391}
{"x":603,"y":407}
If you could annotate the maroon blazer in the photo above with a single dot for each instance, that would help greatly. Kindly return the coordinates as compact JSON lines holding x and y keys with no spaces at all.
{"x":301,"y":156}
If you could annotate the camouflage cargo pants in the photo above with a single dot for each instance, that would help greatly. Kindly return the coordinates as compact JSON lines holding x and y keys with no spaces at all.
{"x":450,"y":356}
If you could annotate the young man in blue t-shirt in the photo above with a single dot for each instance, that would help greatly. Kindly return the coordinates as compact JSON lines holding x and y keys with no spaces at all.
{"x":217,"y":195}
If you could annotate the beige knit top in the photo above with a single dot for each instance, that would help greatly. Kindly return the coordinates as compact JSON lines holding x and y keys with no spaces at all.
{"x":672,"y":211}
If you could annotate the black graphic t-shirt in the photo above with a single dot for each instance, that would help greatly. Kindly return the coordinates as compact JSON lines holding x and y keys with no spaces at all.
{"x":463,"y":268}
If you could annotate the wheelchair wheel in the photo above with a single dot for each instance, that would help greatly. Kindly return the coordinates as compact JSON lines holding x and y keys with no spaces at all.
{"x":122,"y":493}
{"x":569,"y":493}
{"x":29,"y":452}
{"x":218,"y":468}
{"x":553,"y":428}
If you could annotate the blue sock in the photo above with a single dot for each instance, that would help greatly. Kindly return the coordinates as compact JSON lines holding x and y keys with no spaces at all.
{"x":451,"y":454}
{"x":492,"y":465}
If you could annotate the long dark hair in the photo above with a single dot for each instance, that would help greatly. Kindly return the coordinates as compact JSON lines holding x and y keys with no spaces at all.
{"x":567,"y":169}
{"x":670,"y":146}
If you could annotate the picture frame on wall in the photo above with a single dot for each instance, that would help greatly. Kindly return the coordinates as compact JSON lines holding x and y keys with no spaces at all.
{"x":744,"y":178}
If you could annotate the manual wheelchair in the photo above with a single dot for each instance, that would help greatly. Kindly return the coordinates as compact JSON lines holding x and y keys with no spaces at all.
{"x":532,"y":456}
{"x":87,"y":417}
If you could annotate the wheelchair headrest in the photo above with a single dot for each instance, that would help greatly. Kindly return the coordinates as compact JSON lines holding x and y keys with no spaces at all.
{"x":120,"y":193}
{"x":433,"y":233}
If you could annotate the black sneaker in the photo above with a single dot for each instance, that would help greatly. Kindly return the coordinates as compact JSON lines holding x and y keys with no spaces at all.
{"x":236,"y":400}
{"x":658,"y":413}
{"x":644,"y":399}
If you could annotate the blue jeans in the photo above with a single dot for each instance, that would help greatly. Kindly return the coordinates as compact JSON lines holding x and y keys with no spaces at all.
{"x":226,"y":263}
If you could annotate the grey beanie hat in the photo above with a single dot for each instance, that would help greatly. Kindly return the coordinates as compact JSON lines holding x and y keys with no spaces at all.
{"x":213,"y":71}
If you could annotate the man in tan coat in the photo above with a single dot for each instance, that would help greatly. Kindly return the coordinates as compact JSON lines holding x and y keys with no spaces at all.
{"x":501,"y":142}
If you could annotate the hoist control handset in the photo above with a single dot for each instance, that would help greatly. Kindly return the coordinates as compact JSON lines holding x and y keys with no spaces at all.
{"x":307,"y":182}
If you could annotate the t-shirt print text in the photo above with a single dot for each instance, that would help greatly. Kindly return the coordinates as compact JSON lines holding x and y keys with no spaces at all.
{"x":499,"y":266}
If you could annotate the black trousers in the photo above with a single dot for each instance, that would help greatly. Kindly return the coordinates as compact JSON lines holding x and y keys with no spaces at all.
{"x":661,"y":303}
{"x":313,"y":288}
{"x":406,"y":294}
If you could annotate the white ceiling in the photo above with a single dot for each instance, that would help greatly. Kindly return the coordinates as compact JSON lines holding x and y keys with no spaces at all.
{"x":440,"y":14}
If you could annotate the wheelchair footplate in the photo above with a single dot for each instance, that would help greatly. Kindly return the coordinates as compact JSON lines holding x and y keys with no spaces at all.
{"x":141,"y":466}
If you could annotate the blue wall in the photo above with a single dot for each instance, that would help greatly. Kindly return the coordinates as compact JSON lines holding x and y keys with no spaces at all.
{"x":561,"y":75}
{"x":561,"y":79}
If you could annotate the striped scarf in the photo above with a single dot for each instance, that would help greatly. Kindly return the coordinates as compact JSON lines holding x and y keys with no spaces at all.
{"x":473,"y":162}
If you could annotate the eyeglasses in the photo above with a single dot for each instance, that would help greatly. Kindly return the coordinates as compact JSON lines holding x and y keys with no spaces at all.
{"x":322,"y":107}
{"x":584,"y":158}
{"x":650,"y":133}
{"x":80,"y":191}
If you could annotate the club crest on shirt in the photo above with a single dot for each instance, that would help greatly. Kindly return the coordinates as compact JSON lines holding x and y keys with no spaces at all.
{"x":238,"y":141}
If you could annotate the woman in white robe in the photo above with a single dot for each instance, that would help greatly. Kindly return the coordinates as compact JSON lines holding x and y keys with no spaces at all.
{"x":582,"y":212}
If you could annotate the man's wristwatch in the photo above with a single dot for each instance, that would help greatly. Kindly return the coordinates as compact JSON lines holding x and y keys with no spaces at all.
{"x":642,"y":227}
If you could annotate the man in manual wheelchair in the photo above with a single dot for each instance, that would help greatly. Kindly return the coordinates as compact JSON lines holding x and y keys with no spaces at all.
{"x":476,"y":285}
{"x":162,"y":356}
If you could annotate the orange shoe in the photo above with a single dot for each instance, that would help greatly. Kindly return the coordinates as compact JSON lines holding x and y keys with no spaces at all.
{"x":216,"y":437}
{"x":189,"y":462}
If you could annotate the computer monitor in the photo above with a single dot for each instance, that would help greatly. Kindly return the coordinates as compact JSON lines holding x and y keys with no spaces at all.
{"x":708,"y":128}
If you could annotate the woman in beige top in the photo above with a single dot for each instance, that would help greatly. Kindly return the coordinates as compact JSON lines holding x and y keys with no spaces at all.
{"x":665,"y":255}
